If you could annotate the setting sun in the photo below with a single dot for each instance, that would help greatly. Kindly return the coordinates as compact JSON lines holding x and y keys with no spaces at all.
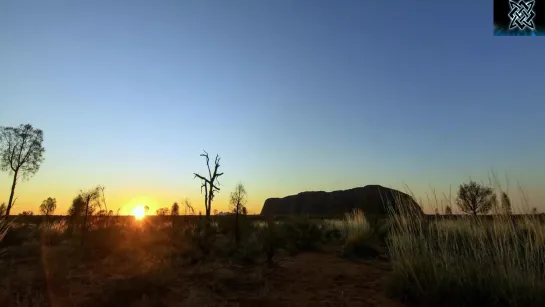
{"x":139,"y":212}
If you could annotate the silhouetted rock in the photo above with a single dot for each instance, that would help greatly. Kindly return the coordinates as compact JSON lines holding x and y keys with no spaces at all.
{"x":371,"y":199}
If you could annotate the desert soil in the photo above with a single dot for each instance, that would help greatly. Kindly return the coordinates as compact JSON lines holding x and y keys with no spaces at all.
{"x":310,"y":279}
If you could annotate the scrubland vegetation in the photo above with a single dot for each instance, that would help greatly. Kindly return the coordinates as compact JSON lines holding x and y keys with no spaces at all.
{"x":186,"y":261}
{"x":93,"y":257}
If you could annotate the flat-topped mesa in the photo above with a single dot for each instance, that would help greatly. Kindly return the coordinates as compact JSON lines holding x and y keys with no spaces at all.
{"x":371,"y":199}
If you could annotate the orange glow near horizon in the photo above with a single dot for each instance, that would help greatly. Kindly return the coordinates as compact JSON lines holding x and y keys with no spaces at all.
{"x":139,"y":212}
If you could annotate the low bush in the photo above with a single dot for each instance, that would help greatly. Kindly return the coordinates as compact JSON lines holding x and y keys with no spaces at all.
{"x":19,"y":234}
{"x":302,"y":234}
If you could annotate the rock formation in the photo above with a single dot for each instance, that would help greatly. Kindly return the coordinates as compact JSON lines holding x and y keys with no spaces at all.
{"x":371,"y":199}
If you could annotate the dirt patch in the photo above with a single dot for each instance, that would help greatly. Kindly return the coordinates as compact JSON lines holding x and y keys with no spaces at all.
{"x":58,"y":278}
{"x":326,"y":280}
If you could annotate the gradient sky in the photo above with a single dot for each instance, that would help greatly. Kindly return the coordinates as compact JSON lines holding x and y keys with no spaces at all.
{"x":293,"y":95}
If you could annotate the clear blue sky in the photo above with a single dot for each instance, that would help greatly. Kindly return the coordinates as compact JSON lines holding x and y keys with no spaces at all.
{"x":294,"y":95}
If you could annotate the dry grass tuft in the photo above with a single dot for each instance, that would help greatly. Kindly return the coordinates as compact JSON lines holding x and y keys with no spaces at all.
{"x":468,"y":261}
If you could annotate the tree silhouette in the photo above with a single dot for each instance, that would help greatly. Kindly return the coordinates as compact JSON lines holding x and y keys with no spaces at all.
{"x":104,"y":212}
{"x":162,"y":211}
{"x":21,"y":154}
{"x":505,"y":203}
{"x":2,"y":209}
{"x":209,"y":184}
{"x":48,"y":206}
{"x":448,"y":210}
{"x":188,"y":208}
{"x":175,"y":209}
{"x":237,"y":201}
{"x":74,"y":213}
{"x":83,"y":206}
{"x":91,"y":198}
{"x":77,"y":207}
{"x":474,"y":198}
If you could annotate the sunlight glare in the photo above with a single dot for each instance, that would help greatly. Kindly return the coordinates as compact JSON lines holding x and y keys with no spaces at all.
{"x":139,"y":212}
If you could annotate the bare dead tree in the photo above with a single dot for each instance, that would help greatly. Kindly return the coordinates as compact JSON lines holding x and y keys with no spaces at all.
{"x":100,"y":190}
{"x":188,"y":208}
{"x":209,"y":184}
{"x":21,"y":154}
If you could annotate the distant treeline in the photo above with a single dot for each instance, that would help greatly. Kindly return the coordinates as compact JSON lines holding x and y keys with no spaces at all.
{"x":38,"y":219}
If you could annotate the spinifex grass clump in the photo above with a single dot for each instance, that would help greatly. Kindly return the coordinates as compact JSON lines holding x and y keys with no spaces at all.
{"x":358,"y":235}
{"x":355,"y":225}
{"x":468,"y":261}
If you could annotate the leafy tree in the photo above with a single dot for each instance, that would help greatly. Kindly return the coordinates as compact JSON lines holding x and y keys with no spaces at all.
{"x":27,"y":213}
{"x":75,"y":212}
{"x":21,"y":154}
{"x":2,"y":209}
{"x":175,"y":209}
{"x":91,"y":198}
{"x":48,"y":206}
{"x":83,"y":206}
{"x":474,"y":198}
{"x":448,"y":210}
{"x":77,"y":207}
{"x":237,"y":201}
{"x":209,"y":184}
{"x":534,"y":210}
{"x":146,"y":209}
{"x":505,"y":203}
{"x":162,"y":211}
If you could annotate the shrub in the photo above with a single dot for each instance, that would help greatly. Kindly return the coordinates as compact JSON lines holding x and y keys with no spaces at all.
{"x":19,"y":234}
{"x":53,"y":233}
{"x":271,"y":239}
{"x":302,"y":234}
{"x":227,"y":226}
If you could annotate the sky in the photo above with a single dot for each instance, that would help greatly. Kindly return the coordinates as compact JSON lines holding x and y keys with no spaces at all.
{"x":293,"y":95}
